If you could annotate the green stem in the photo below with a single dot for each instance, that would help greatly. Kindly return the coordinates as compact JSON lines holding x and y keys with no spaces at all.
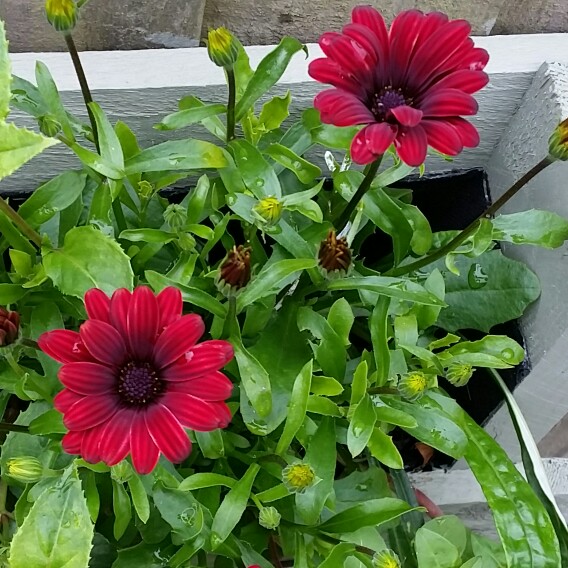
{"x":87,"y":97}
{"x":231,"y":104}
{"x":23,"y":225}
{"x":370,"y":173}
{"x":7,"y":427}
{"x":473,"y":226}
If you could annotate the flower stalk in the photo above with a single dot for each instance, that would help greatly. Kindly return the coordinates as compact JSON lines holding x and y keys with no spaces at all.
{"x":473,"y":226}
{"x":20,"y":222}
{"x":231,"y":103}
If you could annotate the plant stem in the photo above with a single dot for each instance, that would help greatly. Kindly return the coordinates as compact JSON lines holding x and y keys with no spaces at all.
{"x":370,"y":173}
{"x":87,"y":97}
{"x":231,"y":104}
{"x":23,"y":225}
{"x":273,"y":548}
{"x":7,"y":427}
{"x":472,"y":227}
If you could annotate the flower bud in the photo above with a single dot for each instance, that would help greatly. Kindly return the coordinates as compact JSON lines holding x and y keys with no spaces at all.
{"x":386,"y":559}
{"x":558,"y":142}
{"x":9,"y":327}
{"x":414,"y":384}
{"x":26,"y":469}
{"x":186,"y":241}
{"x":269,"y":210}
{"x":175,"y":216}
{"x":234,"y":272}
{"x":121,"y":472}
{"x":459,"y":374}
{"x":61,"y":14}
{"x":49,"y":125}
{"x":334,"y":255}
{"x":145,"y":189}
{"x":222,"y":47}
{"x":297,"y":477}
{"x":269,"y":518}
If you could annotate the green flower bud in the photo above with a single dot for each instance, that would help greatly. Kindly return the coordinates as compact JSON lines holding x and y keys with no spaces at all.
{"x":269,"y":518}
{"x":121,"y":472}
{"x":145,"y":189}
{"x":297,"y":477}
{"x":175,"y":216}
{"x":49,"y":125}
{"x":222,"y":47}
{"x":414,"y":384}
{"x":459,"y":374}
{"x":558,"y":142}
{"x":386,"y":559}
{"x":269,"y":210}
{"x":61,"y":14}
{"x":186,"y":241}
{"x":26,"y":469}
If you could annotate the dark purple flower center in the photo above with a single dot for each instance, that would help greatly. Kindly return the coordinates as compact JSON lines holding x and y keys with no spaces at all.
{"x":139,"y":384}
{"x":385,"y":100}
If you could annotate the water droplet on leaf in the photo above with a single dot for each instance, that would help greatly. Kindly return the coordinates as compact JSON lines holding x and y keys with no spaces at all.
{"x":476,"y":277}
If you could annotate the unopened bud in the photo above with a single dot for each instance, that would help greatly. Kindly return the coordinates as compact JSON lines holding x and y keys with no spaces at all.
{"x":9,"y":327}
{"x":334,"y":255}
{"x":298,"y":477}
{"x":49,"y":125}
{"x":186,"y":241}
{"x":386,"y":559}
{"x":145,"y":189}
{"x":269,"y":210}
{"x":414,"y":384}
{"x":61,"y":14}
{"x":558,"y":142}
{"x":175,"y":216}
{"x":269,"y":518}
{"x":234,"y":272}
{"x":222,"y":47}
{"x":26,"y":469}
{"x":459,"y":374}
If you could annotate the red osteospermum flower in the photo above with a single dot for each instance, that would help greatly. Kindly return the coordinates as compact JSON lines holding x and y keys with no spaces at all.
{"x":135,"y":377}
{"x":411,"y":85}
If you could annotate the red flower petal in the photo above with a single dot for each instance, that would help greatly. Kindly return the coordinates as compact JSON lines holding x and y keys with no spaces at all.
{"x":360,"y":152}
{"x":167,"y":433}
{"x":90,"y":445}
{"x":448,"y":102}
{"x":466,"y":131}
{"x":212,"y":387}
{"x":327,"y":71}
{"x":365,"y":38}
{"x":349,"y":55}
{"x":71,"y":442}
{"x":407,"y":116}
{"x":170,"y":304}
{"x":97,"y":304}
{"x":344,"y":108}
{"x":65,"y":399}
{"x":403,"y":34}
{"x":202,"y":359}
{"x":90,"y":411}
{"x":379,"y":137}
{"x":195,"y":413}
{"x":442,"y":137}
{"x":476,"y":59}
{"x":412,"y":146}
{"x":372,"y":19}
{"x":464,"y":80}
{"x":87,"y":378}
{"x":177,"y":339}
{"x":143,"y":321}
{"x":144,"y":452}
{"x":119,"y":310}
{"x":103,"y":341}
{"x":115,"y":437}
{"x":64,"y":346}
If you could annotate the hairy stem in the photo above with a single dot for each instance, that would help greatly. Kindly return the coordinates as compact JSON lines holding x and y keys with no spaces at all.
{"x":473,"y":226}
{"x":19,"y":221}
{"x":370,"y":173}
{"x":87,"y":97}
{"x":231,"y":105}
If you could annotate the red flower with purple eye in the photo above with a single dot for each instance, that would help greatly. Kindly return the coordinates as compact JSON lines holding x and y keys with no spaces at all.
{"x":135,"y":377}
{"x":410,"y":85}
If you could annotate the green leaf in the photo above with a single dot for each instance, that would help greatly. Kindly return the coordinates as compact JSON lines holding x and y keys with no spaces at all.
{"x":510,"y":287}
{"x":305,"y":171}
{"x":10,"y":293}
{"x":326,"y":386}
{"x":147,"y":236}
{"x":274,"y":112}
{"x":73,"y":272}
{"x":257,"y":174}
{"x":110,"y":148}
{"x":233,"y":507}
{"x":497,"y":351}
{"x":212,"y":123}
{"x":52,"y":197}
{"x":327,"y":135}
{"x":370,"y":513}
{"x":190,"y":116}
{"x":139,"y":498}
{"x":92,"y":496}
{"x":270,"y":279}
{"x":50,"y":422}
{"x":392,"y":415}
{"x":383,"y":449}
{"x":361,"y":426}
{"x":177,"y":155}
{"x":5,"y":75}
{"x":296,"y":408}
{"x":57,"y":532}
{"x":122,"y":509}
{"x":378,"y":324}
{"x":338,"y":555}
{"x":18,"y":146}
{"x":434,"y":550}
{"x":321,"y":455}
{"x":203,"y":480}
{"x":267,"y":74}
{"x":534,"y":468}
{"x":532,"y":227}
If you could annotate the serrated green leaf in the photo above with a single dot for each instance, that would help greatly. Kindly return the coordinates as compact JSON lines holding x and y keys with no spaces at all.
{"x":274,"y":112}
